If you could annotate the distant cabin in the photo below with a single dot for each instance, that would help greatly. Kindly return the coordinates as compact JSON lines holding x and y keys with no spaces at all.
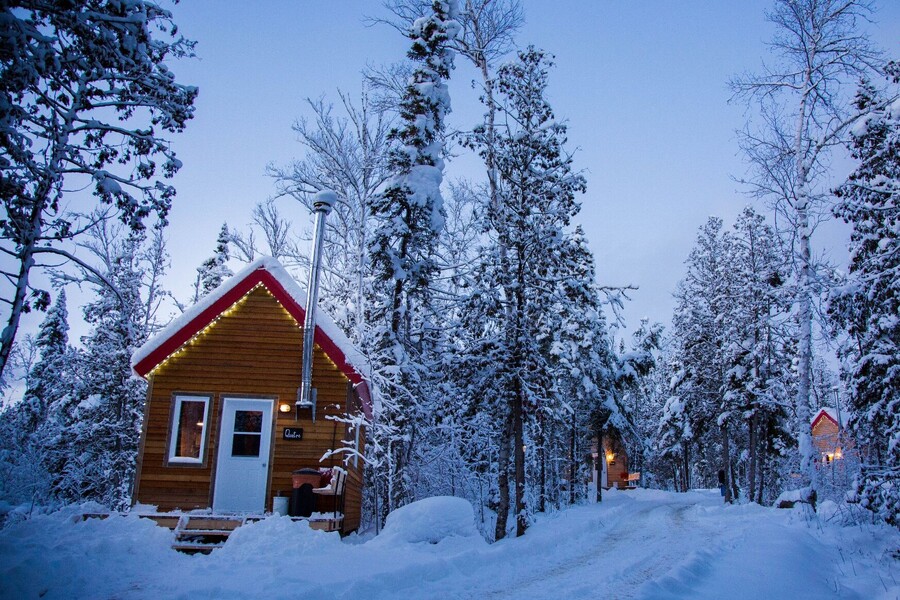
{"x":827,"y":435}
{"x":220,"y":429}
{"x":613,"y":463}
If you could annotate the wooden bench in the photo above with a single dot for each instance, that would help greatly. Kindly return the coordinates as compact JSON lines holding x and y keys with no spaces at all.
{"x":335,"y":488}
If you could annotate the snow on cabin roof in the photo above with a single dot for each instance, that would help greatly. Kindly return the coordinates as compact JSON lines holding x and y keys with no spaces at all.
{"x":268,"y":272}
{"x":825,"y":411}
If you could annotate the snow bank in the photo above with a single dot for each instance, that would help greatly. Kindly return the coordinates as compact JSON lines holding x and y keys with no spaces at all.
{"x":295,"y":540}
{"x":430,"y":520}
{"x":61,"y":556}
{"x":640,"y":543}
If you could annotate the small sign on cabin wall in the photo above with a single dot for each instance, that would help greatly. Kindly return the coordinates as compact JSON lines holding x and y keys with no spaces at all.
{"x":292,"y":433}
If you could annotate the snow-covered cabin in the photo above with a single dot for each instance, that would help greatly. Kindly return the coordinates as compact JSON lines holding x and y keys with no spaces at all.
{"x":613,"y":463}
{"x":826,"y":429}
{"x":221,"y":430}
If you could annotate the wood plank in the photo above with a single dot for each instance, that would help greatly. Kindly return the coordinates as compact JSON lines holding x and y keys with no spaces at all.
{"x":212,"y":523}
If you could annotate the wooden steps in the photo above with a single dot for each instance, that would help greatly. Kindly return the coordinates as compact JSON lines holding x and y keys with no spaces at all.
{"x":203,"y":533}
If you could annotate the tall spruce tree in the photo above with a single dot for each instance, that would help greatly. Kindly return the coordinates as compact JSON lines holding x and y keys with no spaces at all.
{"x":522,"y":274}
{"x":97,"y":428}
{"x":757,"y":325}
{"x":103,"y":428}
{"x":408,"y":217}
{"x":868,"y":305}
{"x":699,"y":338}
{"x":28,"y":427}
{"x":50,"y":378}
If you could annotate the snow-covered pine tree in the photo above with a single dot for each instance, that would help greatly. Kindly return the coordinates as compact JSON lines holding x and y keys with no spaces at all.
{"x":97,"y":441}
{"x":635,"y":378}
{"x":86,"y":98}
{"x":590,"y":380}
{"x":26,"y":460}
{"x":674,"y":438}
{"x":520,"y":280}
{"x":103,"y":432}
{"x":698,"y":337}
{"x":51,"y":377}
{"x":757,"y":323}
{"x":408,"y":217}
{"x":868,"y":305}
{"x":214,"y":269}
{"x":457,"y":446}
{"x":488,"y":31}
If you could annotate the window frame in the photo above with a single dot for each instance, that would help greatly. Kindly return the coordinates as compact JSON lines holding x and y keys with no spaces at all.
{"x":177,"y":401}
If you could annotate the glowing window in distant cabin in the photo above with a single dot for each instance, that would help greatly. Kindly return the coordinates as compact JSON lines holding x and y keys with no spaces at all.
{"x":188,"y":437}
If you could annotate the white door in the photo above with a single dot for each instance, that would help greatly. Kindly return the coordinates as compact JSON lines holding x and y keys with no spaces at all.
{"x":242,"y":468}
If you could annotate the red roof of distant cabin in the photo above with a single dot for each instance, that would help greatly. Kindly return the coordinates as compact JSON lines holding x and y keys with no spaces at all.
{"x":824,"y":413}
{"x":269,"y":273}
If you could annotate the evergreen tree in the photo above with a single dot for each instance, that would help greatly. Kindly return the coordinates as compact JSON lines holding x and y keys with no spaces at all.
{"x":409,"y":216}
{"x":756,"y":319}
{"x":868,"y":304}
{"x":26,"y":428}
{"x":698,"y":335}
{"x":51,"y":377}
{"x":530,"y":258}
{"x":214,"y":269}
{"x":731,"y":362}
{"x":104,"y":430}
{"x":97,"y":428}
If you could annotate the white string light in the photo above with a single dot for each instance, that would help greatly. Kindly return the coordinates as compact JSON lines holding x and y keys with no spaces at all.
{"x":224,"y":314}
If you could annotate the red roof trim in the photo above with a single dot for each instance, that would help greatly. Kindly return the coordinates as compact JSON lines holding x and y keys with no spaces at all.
{"x":261,"y":275}
{"x":823,"y":413}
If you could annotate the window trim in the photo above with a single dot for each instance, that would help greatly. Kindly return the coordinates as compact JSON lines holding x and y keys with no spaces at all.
{"x":177,"y":401}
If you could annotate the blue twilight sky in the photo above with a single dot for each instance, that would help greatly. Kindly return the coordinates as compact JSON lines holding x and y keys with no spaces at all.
{"x":641,"y":84}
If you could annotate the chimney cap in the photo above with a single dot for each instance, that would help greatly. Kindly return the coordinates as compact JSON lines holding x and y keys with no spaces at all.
{"x":324,"y":200}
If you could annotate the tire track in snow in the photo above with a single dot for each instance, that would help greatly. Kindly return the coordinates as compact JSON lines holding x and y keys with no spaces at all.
{"x":642,"y":546}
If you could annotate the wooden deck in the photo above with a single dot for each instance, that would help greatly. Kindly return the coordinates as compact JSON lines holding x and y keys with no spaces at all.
{"x":203,"y":533}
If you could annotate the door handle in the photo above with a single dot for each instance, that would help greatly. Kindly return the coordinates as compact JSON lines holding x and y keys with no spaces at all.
{"x":264,"y":465}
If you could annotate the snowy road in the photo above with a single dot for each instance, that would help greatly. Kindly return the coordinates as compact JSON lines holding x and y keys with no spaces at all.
{"x":606,"y":563}
{"x":610,"y":556}
{"x":655,"y":545}
{"x":640,"y":544}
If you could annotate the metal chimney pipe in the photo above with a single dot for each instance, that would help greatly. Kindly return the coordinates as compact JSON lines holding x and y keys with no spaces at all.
{"x":323,"y":202}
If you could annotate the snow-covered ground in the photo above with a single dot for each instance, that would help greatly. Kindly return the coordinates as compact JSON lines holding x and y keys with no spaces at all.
{"x":636,"y":544}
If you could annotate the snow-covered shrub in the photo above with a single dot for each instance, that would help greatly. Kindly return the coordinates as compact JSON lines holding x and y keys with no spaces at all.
{"x":430,"y":520}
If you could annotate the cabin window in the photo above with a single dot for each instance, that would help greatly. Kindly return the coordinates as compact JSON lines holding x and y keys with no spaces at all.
{"x":189,"y":429}
{"x":247,"y":433}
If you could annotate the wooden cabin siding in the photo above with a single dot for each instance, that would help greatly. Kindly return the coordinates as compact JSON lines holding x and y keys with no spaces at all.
{"x":253,"y":350}
{"x":617,"y":473}
{"x":825,"y":436}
